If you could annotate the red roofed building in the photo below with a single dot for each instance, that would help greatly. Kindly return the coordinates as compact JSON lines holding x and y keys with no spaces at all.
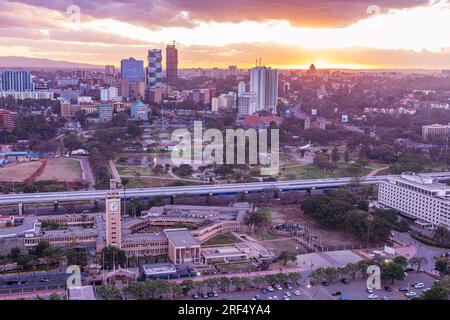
{"x":260,"y":122}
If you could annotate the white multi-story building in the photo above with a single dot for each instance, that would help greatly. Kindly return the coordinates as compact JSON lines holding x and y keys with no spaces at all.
{"x":247,"y":104}
{"x":108,"y":94}
{"x":264,"y":83}
{"x":419,"y":197}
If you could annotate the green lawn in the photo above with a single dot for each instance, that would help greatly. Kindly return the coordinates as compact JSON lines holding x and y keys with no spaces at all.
{"x":225,"y":238}
{"x":265,"y":235}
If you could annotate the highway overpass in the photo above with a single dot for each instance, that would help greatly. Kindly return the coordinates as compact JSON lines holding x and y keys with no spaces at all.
{"x":216,"y":189}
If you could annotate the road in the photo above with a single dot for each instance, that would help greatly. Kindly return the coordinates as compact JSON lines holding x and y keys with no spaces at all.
{"x":196,"y":190}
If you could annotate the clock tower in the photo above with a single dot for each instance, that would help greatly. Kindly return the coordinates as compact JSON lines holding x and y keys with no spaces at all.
{"x":113,"y":216}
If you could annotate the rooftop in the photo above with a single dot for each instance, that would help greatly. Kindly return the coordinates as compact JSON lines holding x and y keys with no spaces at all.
{"x":181,"y":237}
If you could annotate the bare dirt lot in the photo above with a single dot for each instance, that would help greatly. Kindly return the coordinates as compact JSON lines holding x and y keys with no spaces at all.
{"x":19,"y":172}
{"x":61,"y":169}
{"x":328,"y":238}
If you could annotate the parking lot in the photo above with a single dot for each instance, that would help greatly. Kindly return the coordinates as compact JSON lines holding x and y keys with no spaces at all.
{"x":354,"y":290}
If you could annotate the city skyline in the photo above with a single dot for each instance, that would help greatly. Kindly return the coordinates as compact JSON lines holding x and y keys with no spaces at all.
{"x":330,"y":34}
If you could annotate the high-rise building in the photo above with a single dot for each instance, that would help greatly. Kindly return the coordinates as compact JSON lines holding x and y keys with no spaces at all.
{"x":171,"y":64}
{"x":113,"y":220}
{"x":264,"y":83}
{"x":107,"y":94}
{"x":7,"y":120}
{"x":132,"y":70}
{"x":110,"y":70}
{"x":133,"y":90}
{"x":247,"y":104}
{"x":241,"y":88}
{"x":139,"y":111}
{"x":16,"y":81}
{"x":154,"y":68}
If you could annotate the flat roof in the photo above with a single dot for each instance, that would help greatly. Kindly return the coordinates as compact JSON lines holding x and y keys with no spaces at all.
{"x":158,"y":269}
{"x":181,"y":238}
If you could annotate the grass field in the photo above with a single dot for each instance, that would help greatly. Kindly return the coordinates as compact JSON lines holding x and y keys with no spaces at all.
{"x":153,"y":183}
{"x":225,"y":238}
{"x":19,"y":172}
{"x":61,"y":169}
{"x":283,"y":245}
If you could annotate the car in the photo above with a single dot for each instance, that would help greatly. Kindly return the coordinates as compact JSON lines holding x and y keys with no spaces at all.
{"x":336,"y":293}
{"x":286,"y":298}
{"x":409,"y":270}
{"x":289,"y":287}
{"x":264,"y":291}
{"x":344,"y":281}
{"x":426,"y":290}
{"x":419,"y":285}
{"x":195,"y":296}
{"x":210,"y":294}
{"x":269,"y":298}
{"x":369,"y":290}
{"x":404,"y":289}
{"x":287,"y":294}
{"x":270,"y":289}
{"x":297,"y":293}
{"x":204,"y":296}
{"x":325,"y":283}
{"x":413,"y":284}
{"x":388,"y":289}
{"x":385,"y":298}
{"x":411,"y":294}
{"x":257,"y":297}
{"x":275,"y":298}
{"x":278,"y":287}
{"x":372,"y":296}
{"x":215,"y":294}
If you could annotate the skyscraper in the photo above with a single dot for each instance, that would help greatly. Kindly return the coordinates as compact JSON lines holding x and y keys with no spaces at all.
{"x":247,"y":104}
{"x":171,"y":64}
{"x":132,"y":70}
{"x":154,"y":69}
{"x":16,"y":81}
{"x":264,"y":83}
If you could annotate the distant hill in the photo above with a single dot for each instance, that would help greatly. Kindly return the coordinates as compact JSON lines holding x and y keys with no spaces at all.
{"x":36,"y":63}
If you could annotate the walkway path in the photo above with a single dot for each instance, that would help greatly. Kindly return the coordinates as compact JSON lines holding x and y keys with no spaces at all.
{"x":114,"y":171}
{"x":374,"y":172}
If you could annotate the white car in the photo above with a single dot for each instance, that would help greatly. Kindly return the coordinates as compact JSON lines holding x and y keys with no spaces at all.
{"x":270,"y":288}
{"x":419,"y":285}
{"x":286,"y":298}
{"x":275,"y":298}
{"x":372,"y":296}
{"x":287,"y":294}
{"x":297,"y":293}
{"x":279,"y":288}
{"x":269,"y":298}
{"x":411,"y":294}
{"x":426,"y":289}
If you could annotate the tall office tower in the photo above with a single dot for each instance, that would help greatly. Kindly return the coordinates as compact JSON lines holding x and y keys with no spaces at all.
{"x":241,"y":88}
{"x":16,"y":81}
{"x":113,"y":222}
{"x":154,"y":69}
{"x":247,"y":104}
{"x":110,"y":70}
{"x":171,"y":64}
{"x":264,"y":83}
{"x":132,"y":70}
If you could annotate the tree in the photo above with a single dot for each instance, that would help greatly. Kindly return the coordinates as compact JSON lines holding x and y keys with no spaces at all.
{"x":441,"y":234}
{"x":286,"y":256}
{"x":335,"y":156}
{"x":401,"y":261}
{"x":346,"y":156}
{"x":418,"y":262}
{"x":392,"y":271}
{"x":72,"y":142}
{"x":439,"y":291}
{"x":108,"y":292}
{"x":134,"y":130}
{"x":187,"y":286}
{"x":55,"y":296}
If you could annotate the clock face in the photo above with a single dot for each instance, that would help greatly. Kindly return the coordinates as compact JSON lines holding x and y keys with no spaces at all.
{"x":113,"y":206}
